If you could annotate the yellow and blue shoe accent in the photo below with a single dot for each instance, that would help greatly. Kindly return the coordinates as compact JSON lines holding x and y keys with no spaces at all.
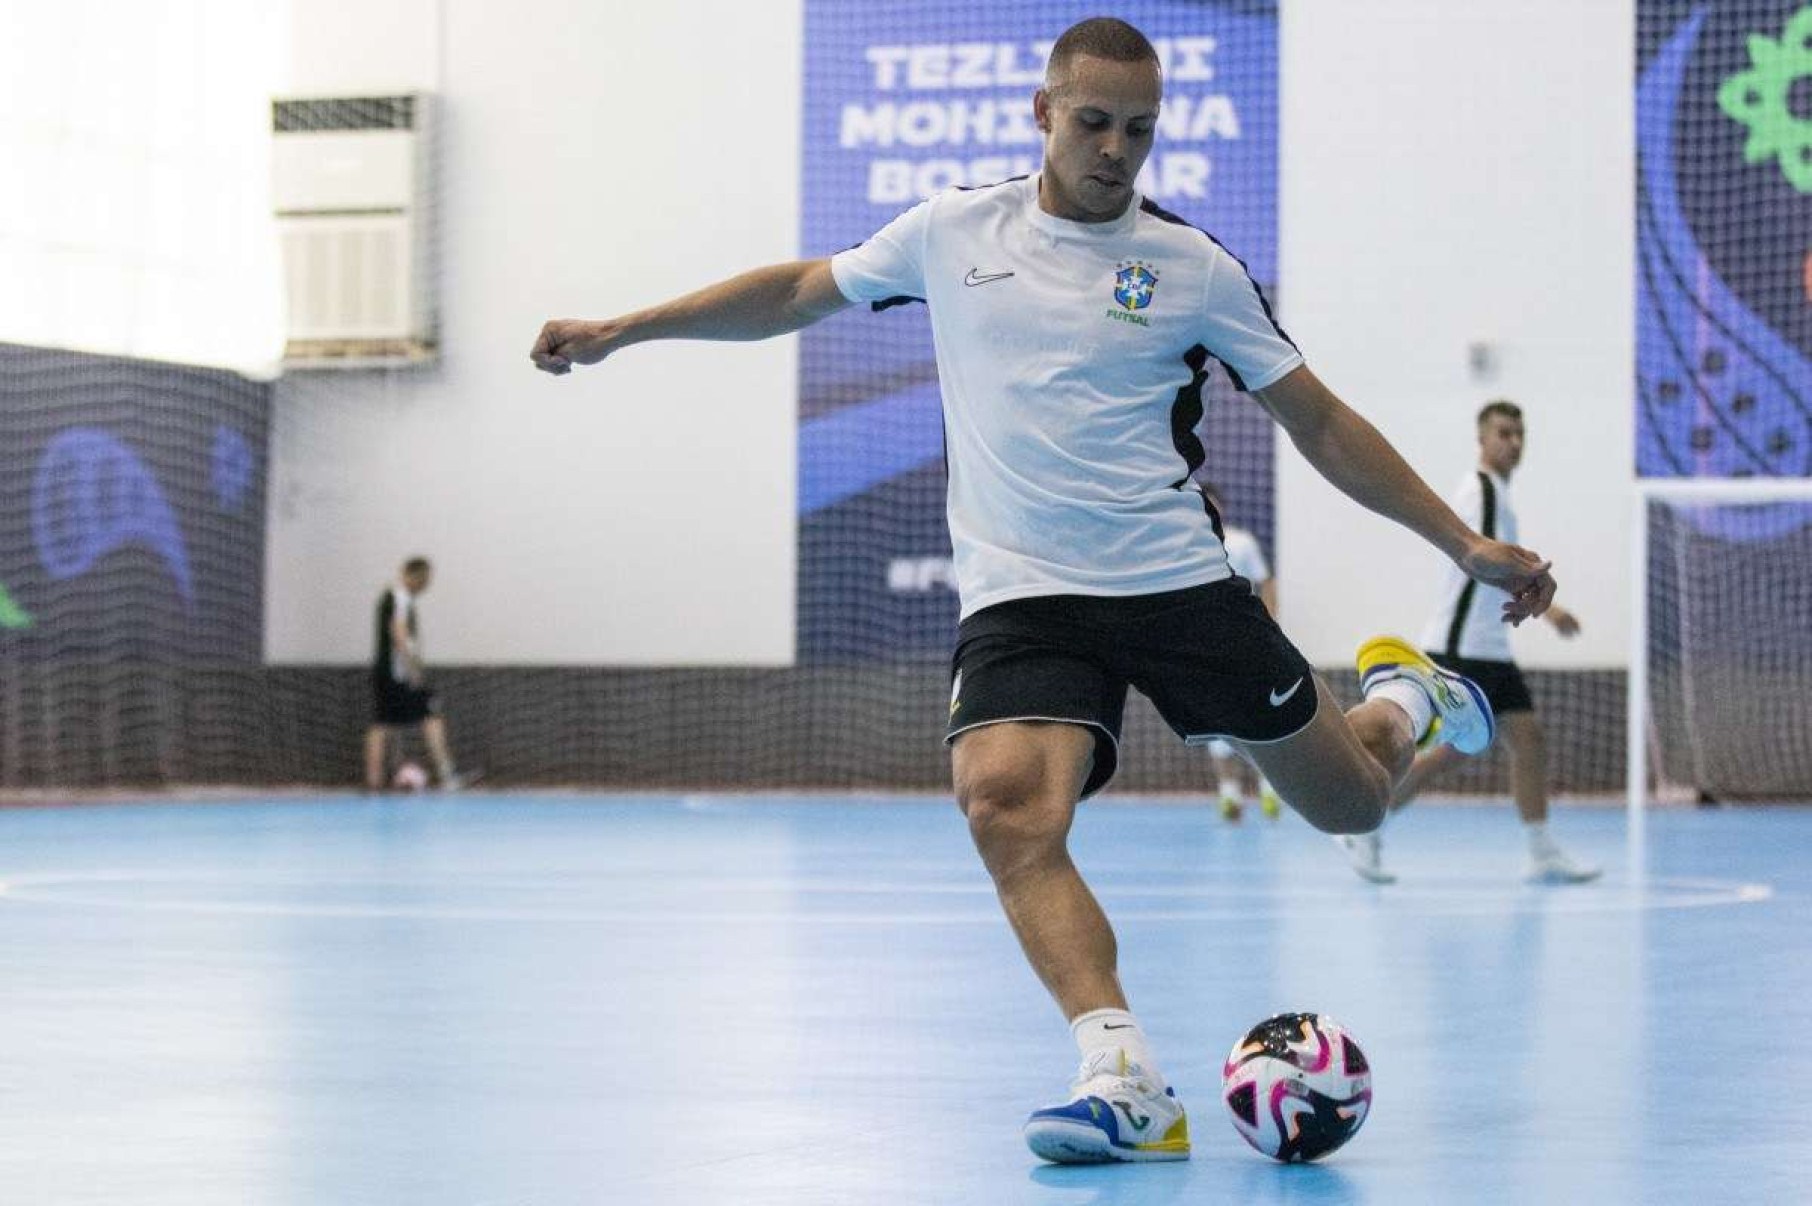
{"x":1118,"y":1114}
{"x":1463,"y":716}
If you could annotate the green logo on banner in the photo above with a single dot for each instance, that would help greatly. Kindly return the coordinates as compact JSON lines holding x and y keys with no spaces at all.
{"x":1761,"y":99}
{"x":11,"y":614}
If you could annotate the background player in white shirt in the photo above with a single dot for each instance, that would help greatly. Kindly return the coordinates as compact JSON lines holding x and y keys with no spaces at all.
{"x":1074,"y":324}
{"x":1464,"y":635}
{"x":1247,"y":557}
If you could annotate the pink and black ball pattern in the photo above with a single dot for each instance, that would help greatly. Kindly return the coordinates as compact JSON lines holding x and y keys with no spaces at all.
{"x":1297,"y":1086}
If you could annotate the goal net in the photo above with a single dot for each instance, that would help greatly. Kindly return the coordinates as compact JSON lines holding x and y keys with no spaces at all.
{"x":1720,"y":701}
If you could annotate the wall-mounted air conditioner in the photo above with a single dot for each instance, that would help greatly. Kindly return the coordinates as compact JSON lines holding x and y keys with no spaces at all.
{"x":354,"y":188}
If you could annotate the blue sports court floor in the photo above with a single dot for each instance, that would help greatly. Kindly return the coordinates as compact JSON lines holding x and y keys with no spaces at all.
{"x":539,"y":1000}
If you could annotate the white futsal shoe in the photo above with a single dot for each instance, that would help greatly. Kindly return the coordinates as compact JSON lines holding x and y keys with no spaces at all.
{"x":1365,"y":851}
{"x":460,"y":780}
{"x":1117,"y":1112}
{"x":1549,"y":864}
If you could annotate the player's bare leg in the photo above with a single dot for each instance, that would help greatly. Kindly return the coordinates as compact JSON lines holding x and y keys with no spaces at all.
{"x":1339,"y":771}
{"x":1548,"y":863}
{"x":377,"y":741}
{"x":1018,"y":784}
{"x":434,"y":732}
{"x":1343,"y":772}
{"x":1528,"y":744}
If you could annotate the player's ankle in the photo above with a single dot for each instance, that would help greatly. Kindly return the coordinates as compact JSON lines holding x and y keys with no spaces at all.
{"x":1101,"y":1030}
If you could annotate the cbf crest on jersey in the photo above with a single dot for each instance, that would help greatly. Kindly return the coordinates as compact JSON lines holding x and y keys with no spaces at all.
{"x":1134,"y":284}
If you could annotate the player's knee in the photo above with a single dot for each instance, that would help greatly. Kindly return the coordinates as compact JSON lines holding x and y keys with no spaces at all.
{"x":1013,"y":812}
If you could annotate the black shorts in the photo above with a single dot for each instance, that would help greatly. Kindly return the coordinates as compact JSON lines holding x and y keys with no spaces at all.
{"x":1501,"y":682}
{"x":1209,"y":657}
{"x":402,"y":703}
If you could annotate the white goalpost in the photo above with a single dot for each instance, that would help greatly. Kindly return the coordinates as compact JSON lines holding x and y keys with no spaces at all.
{"x":1721,"y":604}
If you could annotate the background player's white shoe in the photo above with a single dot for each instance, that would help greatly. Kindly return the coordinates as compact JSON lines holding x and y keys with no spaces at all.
{"x":1549,"y":864}
{"x":1365,"y":851}
{"x":460,"y":780}
{"x":1116,"y":1112}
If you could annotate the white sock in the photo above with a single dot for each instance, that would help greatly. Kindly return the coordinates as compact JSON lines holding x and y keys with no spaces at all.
{"x":1229,"y":789}
{"x":1539,"y":841}
{"x":1411,"y":698}
{"x":1113,"y":1030}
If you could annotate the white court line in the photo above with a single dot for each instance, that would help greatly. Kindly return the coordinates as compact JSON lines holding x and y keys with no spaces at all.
{"x":1235,"y":902}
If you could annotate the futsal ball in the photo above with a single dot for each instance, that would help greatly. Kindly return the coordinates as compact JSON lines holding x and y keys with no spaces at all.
{"x":1298,"y":1086}
{"x":410,"y":777}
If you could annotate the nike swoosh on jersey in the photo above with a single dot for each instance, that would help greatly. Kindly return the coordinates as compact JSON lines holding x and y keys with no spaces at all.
{"x":978,"y":277}
{"x":1279,"y":700}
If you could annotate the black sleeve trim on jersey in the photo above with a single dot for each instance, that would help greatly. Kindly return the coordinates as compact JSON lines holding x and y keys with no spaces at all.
{"x":1487,"y":528}
{"x":1147,"y":205}
{"x":1186,"y":412}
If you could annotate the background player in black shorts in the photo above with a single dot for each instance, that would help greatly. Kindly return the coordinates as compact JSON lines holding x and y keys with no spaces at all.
{"x":399,"y":682}
{"x":1465,"y":636}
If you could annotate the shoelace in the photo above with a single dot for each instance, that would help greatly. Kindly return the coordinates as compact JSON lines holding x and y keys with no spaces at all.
{"x":1108,"y":1063}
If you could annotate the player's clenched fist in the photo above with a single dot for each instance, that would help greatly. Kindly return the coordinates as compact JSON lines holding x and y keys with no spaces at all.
{"x":564,"y":342}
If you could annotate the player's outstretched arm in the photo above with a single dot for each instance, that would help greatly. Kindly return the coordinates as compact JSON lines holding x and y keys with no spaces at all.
{"x":758,"y":304}
{"x":1351,"y":454}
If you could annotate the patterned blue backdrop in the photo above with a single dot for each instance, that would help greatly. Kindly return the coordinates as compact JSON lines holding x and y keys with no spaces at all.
{"x":1724,"y":239}
{"x":131,"y":511}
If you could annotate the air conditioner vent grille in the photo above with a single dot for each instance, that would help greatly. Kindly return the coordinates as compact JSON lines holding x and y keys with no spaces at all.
{"x":343,"y":113}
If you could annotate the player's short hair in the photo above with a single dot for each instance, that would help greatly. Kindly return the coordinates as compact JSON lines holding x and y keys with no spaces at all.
{"x":417,"y":565}
{"x":1102,"y":37}
{"x":1501,"y":406}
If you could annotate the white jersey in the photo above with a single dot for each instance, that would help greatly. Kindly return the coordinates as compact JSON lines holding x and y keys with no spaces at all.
{"x":1246,"y":557}
{"x":1470,"y":619}
{"x":1072,"y":357}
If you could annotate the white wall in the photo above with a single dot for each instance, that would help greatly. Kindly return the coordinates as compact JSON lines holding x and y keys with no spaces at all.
{"x":1451,"y":173}
{"x":1455,"y":173}
{"x":136,"y":215}
{"x":596,"y":157}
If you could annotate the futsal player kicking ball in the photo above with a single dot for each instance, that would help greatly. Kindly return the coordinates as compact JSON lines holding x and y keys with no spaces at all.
{"x":1075,"y":323}
{"x":1465,"y":636}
